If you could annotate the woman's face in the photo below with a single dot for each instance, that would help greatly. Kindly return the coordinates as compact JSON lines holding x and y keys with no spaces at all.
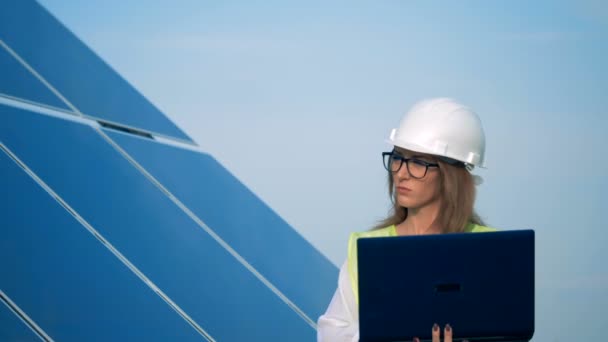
{"x":415,"y":193}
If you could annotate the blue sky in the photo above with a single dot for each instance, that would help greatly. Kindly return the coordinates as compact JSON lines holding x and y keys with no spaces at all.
{"x":296,"y":99}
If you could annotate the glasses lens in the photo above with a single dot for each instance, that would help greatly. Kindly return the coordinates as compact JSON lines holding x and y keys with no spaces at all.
{"x":416,"y":168}
{"x":395,"y":163}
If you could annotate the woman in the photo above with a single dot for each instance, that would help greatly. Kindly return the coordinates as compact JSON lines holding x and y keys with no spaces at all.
{"x":437,"y":145}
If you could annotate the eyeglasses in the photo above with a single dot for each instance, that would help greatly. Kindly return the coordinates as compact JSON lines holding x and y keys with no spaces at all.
{"x":415,"y":167}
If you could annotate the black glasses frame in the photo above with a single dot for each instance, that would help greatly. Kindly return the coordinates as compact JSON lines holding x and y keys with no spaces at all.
{"x":388,"y":156}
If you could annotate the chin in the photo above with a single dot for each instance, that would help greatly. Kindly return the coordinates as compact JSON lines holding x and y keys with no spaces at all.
{"x":407,"y":203}
{"x":411,"y":203}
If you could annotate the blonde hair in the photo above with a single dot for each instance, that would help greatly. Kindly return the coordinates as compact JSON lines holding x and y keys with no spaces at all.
{"x":457,"y":189}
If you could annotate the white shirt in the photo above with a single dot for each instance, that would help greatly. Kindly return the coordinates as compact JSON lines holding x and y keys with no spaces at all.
{"x":340,"y":323}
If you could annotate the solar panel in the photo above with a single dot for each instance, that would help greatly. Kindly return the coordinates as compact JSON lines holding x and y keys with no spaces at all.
{"x":12,"y":328}
{"x":18,"y":82}
{"x":153,"y":234}
{"x":101,"y":244}
{"x":65,"y":280}
{"x":239,"y":217}
{"x":86,"y":81}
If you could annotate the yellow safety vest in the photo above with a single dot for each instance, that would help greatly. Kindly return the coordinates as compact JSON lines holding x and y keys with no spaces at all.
{"x":384,"y":232}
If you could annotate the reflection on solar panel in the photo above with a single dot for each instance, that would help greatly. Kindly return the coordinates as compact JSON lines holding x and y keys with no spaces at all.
{"x":113,"y":236}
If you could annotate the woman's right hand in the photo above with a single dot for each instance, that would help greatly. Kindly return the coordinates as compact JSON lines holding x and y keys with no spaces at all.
{"x":436,"y":333}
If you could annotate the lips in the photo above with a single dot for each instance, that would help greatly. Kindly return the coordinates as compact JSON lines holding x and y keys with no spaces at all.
{"x":402,"y":189}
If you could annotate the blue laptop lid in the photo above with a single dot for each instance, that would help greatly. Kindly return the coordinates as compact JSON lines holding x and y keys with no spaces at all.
{"x":482,"y":284}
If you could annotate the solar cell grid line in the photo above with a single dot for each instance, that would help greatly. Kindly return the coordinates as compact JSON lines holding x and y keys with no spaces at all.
{"x":76,"y":72}
{"x":149,"y":229}
{"x":209,"y":193}
{"x":20,"y":81}
{"x":15,"y":325}
{"x":66,"y":281}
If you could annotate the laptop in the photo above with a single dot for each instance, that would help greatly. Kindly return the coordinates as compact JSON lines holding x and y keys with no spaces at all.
{"x":482,"y":284}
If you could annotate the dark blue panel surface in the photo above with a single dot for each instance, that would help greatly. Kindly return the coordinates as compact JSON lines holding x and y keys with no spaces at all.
{"x":65,"y":280}
{"x":17,"y":81}
{"x":12,"y":328}
{"x":150,"y":230}
{"x":241,"y":219}
{"x":75,"y":71}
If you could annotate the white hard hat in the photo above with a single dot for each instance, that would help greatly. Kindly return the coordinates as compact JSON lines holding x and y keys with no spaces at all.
{"x":442,"y":127}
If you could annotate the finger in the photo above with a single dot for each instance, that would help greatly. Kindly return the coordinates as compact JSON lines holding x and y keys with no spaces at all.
{"x":435,"y":333}
{"x":416,"y":339}
{"x":447,"y":333}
